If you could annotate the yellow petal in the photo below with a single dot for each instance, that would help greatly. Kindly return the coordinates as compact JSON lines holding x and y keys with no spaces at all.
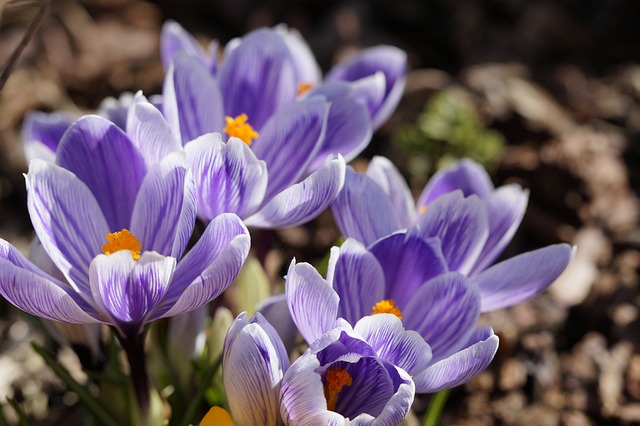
{"x":217,"y":416}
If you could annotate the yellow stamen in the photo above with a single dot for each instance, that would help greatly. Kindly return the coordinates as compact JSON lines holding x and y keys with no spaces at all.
{"x":386,"y":306}
{"x":304,"y":88}
{"x":217,"y":416}
{"x":239,"y":128}
{"x":422,"y":209}
{"x":123,"y":240}
{"x":336,"y":379}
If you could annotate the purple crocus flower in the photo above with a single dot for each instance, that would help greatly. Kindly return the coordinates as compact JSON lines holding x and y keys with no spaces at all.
{"x":117,"y":230}
{"x":360,"y":375}
{"x":265,"y":181}
{"x":473,"y":220}
{"x":282,"y":59}
{"x":406,"y":276}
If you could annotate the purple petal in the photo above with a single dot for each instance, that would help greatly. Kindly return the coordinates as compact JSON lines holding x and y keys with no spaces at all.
{"x":363,"y":211}
{"x":40,"y":297}
{"x":253,"y":366}
{"x":192,"y":100}
{"x":387,"y":176}
{"x":466,"y":175}
{"x":45,"y":130}
{"x":116,"y":109}
{"x":389,"y":60}
{"x":209,"y":267}
{"x":228,"y":176}
{"x":104,"y":158}
{"x":522,"y":277}
{"x":460,"y":224}
{"x":276,"y":312}
{"x":505,"y":208}
{"x":348,"y":124}
{"x":304,"y":201}
{"x":444,"y":311}
{"x":127,"y":290}
{"x":165,"y":210}
{"x":67,"y":219}
{"x":386,"y":335}
{"x":290,"y":140}
{"x":302,"y":396}
{"x":462,"y":366}
{"x":370,"y":91}
{"x":175,"y":40}
{"x":312,"y":302}
{"x":150,"y":132}
{"x":307,"y":68}
{"x":357,"y":278}
{"x":400,"y":403}
{"x":258,"y":77}
{"x":408,"y":262}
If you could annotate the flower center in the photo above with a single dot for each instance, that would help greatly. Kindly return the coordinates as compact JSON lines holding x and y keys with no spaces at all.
{"x":123,"y":240}
{"x":387,"y":306}
{"x":422,"y":209}
{"x":239,"y":128}
{"x":336,"y":379}
{"x":304,"y":88}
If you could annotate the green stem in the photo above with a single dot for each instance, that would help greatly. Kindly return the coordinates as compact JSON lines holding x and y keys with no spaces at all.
{"x":436,"y":407}
{"x":92,"y":403}
{"x":197,"y":399}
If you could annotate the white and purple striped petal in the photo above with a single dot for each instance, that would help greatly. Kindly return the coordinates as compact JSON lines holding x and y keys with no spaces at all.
{"x":192,"y":102}
{"x":521,"y":277}
{"x":386,"y":59}
{"x":462,"y":366}
{"x":41,"y":133}
{"x":408,"y":262}
{"x":312,"y":302}
{"x":67,"y":219}
{"x":303,"y":201}
{"x":461,"y":224}
{"x":254,"y":363}
{"x":290,"y":140}
{"x":363,"y":211}
{"x":209,"y":267}
{"x":444,"y":312}
{"x":258,"y":77}
{"x":150,"y":132}
{"x":228,"y":176}
{"x":102,"y":156}
{"x":175,"y":40}
{"x":165,"y":209}
{"x":127,"y":291}
{"x":348,"y":124}
{"x":357,"y":277}
{"x":386,"y":175}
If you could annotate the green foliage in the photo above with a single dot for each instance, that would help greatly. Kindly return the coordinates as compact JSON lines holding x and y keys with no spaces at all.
{"x":448,"y":129}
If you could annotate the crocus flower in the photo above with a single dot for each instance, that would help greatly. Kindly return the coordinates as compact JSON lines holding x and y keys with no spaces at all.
{"x":288,"y":68}
{"x":117,"y":230}
{"x":341,"y":378}
{"x":473,"y":220}
{"x":265,"y":181}
{"x":406,"y":276}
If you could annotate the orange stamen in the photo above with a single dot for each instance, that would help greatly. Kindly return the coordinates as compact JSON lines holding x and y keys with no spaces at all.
{"x":123,"y":240}
{"x":386,"y":306}
{"x":239,"y":128}
{"x":304,"y":88}
{"x":336,"y":379}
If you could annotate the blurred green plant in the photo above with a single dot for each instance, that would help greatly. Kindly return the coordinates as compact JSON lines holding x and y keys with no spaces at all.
{"x":447,"y":130}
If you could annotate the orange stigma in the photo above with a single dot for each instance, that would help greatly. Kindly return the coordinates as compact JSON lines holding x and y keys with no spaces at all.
{"x":304,"y":88}
{"x":422,"y":209}
{"x":386,"y":306}
{"x":239,"y":128}
{"x":336,"y":378}
{"x":123,"y":240}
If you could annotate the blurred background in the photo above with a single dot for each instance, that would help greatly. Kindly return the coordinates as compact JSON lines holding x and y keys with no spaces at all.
{"x":544,"y":93}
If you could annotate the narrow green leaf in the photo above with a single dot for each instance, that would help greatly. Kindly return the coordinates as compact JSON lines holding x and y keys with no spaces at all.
{"x":21,"y":415}
{"x":94,"y":405}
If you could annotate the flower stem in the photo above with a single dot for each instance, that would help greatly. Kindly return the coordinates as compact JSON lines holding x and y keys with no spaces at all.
{"x":436,"y":406}
{"x":133,"y":346}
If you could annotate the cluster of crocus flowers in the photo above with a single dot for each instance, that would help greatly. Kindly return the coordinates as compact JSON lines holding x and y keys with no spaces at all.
{"x":257,"y":137}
